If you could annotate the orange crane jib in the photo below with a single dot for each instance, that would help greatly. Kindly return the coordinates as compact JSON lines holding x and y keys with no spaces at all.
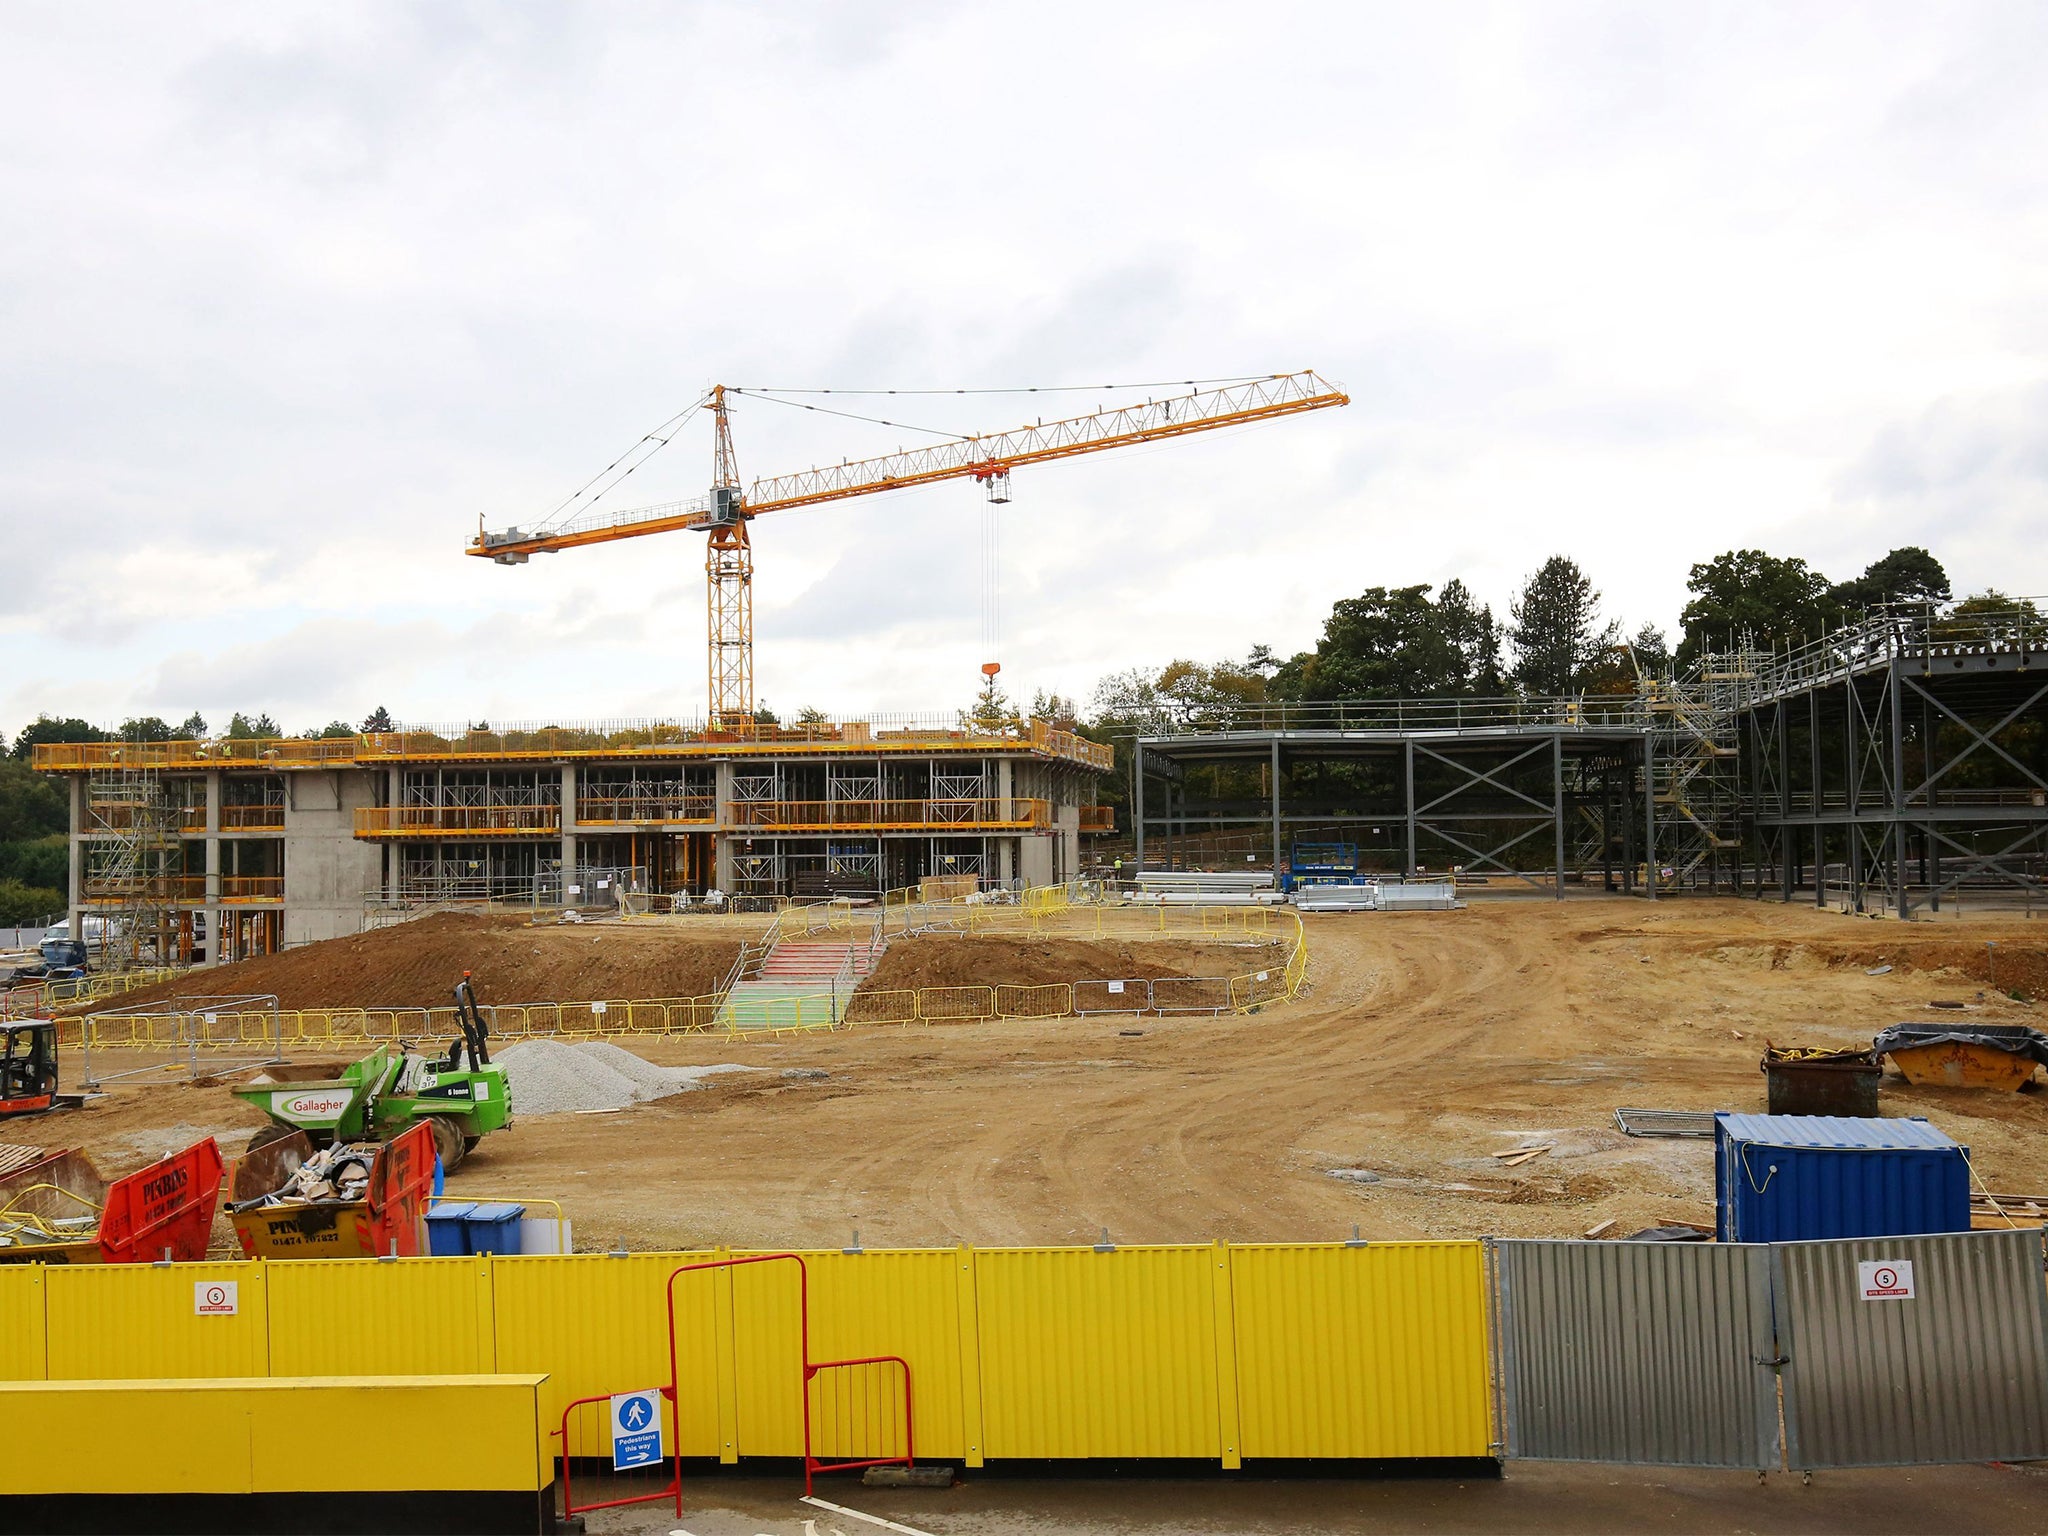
{"x":987,"y":458}
{"x":979,"y":458}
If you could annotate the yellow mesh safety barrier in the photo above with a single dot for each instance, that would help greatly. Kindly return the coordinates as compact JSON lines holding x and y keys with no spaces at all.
{"x":354,"y":1027}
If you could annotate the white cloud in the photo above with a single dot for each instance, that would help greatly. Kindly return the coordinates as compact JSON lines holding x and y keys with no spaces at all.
{"x":294,"y":297}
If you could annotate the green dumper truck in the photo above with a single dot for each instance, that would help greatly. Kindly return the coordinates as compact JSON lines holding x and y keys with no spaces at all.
{"x":461,"y":1095}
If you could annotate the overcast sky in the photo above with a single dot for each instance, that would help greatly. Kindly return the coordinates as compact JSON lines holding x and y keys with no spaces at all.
{"x":292,"y":295}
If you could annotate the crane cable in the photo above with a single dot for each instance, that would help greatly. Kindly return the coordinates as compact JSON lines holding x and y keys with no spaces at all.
{"x":1027,"y":389}
{"x":659,"y":438}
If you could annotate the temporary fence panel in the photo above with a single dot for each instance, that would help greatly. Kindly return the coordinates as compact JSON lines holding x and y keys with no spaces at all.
{"x":903,"y":1303}
{"x":1907,"y":1350}
{"x":21,"y":1323}
{"x":1635,"y":1352}
{"x":110,"y":1321}
{"x":598,"y":1325}
{"x":1098,"y":1354}
{"x":1048,"y":1000}
{"x":1376,"y":1350}
{"x":345,"y":1317}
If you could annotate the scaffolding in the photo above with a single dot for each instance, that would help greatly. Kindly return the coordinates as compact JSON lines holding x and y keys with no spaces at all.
{"x":1693,"y":765}
{"x":134,"y":866}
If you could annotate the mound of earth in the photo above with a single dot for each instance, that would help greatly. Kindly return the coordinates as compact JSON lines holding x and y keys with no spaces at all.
{"x":2015,"y":961}
{"x":949,"y":960}
{"x":417,"y":964}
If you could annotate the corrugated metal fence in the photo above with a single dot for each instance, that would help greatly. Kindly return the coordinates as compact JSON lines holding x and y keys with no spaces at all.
{"x":1211,"y":1351}
{"x":1957,"y":1370}
{"x":1636,"y":1352}
{"x":1890,"y":1351}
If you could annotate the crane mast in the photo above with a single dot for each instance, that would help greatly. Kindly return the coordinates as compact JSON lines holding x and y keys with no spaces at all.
{"x":986,"y":458}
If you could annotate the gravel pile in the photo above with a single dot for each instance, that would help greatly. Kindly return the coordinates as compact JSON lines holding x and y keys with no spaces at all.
{"x":547,"y":1077}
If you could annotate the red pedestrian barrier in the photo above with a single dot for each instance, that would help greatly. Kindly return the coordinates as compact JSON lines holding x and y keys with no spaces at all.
{"x":569,"y":1504}
{"x":810,"y":1369}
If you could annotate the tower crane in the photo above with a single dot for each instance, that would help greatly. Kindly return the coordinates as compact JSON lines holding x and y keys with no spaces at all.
{"x":987,"y":458}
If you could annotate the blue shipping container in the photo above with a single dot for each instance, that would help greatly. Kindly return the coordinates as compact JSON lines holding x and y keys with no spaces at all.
{"x":1796,"y":1178}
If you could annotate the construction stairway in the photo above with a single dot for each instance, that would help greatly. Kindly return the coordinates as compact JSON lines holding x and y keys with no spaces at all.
{"x":794,"y":985}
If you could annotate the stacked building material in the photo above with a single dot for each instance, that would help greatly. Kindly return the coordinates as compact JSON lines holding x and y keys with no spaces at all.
{"x":1206,"y":888}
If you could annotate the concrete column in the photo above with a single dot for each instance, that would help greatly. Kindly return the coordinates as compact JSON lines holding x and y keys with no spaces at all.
{"x":394,"y":854}
{"x":721,"y":840}
{"x":568,"y":829}
{"x":75,"y":853}
{"x":1006,"y":780}
{"x":215,"y":951}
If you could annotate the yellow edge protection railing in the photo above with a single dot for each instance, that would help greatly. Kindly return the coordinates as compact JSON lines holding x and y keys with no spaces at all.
{"x":615,"y":1018}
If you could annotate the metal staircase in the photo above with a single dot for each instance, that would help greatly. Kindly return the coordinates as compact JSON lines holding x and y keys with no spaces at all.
{"x":800,"y":982}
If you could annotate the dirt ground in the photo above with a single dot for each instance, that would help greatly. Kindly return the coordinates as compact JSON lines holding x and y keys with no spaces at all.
{"x":417,"y":964}
{"x":1426,"y":1043}
{"x":949,"y":960}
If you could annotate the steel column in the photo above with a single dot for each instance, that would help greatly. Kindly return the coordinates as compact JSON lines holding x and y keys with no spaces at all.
{"x":1557,"y":784}
{"x":1409,"y":755}
{"x":1650,"y":814}
{"x":1138,"y":801}
{"x":1276,"y":811}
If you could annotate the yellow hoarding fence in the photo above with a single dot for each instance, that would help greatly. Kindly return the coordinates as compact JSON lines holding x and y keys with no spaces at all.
{"x":237,"y":1435}
{"x":1210,"y":1351}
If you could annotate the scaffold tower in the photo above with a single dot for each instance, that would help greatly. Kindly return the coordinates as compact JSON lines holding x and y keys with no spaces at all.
{"x":134,"y":864}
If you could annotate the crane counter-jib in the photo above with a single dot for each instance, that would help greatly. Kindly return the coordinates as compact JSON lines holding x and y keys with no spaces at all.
{"x":976,"y":457}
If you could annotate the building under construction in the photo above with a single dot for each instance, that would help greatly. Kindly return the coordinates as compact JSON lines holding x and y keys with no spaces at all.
{"x":1897,"y":763}
{"x":215,"y":850}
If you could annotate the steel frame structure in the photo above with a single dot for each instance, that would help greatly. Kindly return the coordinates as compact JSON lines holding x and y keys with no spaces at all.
{"x":1855,"y":753}
{"x":1894,"y":763}
{"x":1469,"y":797}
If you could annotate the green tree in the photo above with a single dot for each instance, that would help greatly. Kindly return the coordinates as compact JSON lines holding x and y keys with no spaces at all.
{"x":1557,"y":630}
{"x":31,"y":805}
{"x":992,"y":709}
{"x":242,"y":728}
{"x":334,"y":730}
{"x":26,"y":904}
{"x":193,"y":727}
{"x":1395,"y":642}
{"x":810,"y":715}
{"x":147,"y":728}
{"x":1130,"y":701}
{"x":52,"y":728}
{"x":1474,"y":636}
{"x":1906,"y":575}
{"x":378,"y":721}
{"x":1748,"y":595}
{"x":1056,"y":711}
{"x":34,"y":850}
{"x":1384,"y":643}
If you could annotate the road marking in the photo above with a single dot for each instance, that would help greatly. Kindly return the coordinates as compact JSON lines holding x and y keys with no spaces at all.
{"x":887,"y":1525}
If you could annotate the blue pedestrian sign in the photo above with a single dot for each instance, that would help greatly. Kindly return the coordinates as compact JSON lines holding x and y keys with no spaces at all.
{"x":636,"y":1429}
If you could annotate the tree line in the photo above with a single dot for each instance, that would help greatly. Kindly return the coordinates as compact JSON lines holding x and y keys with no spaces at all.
{"x":35,"y":813}
{"x":1419,"y":642}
